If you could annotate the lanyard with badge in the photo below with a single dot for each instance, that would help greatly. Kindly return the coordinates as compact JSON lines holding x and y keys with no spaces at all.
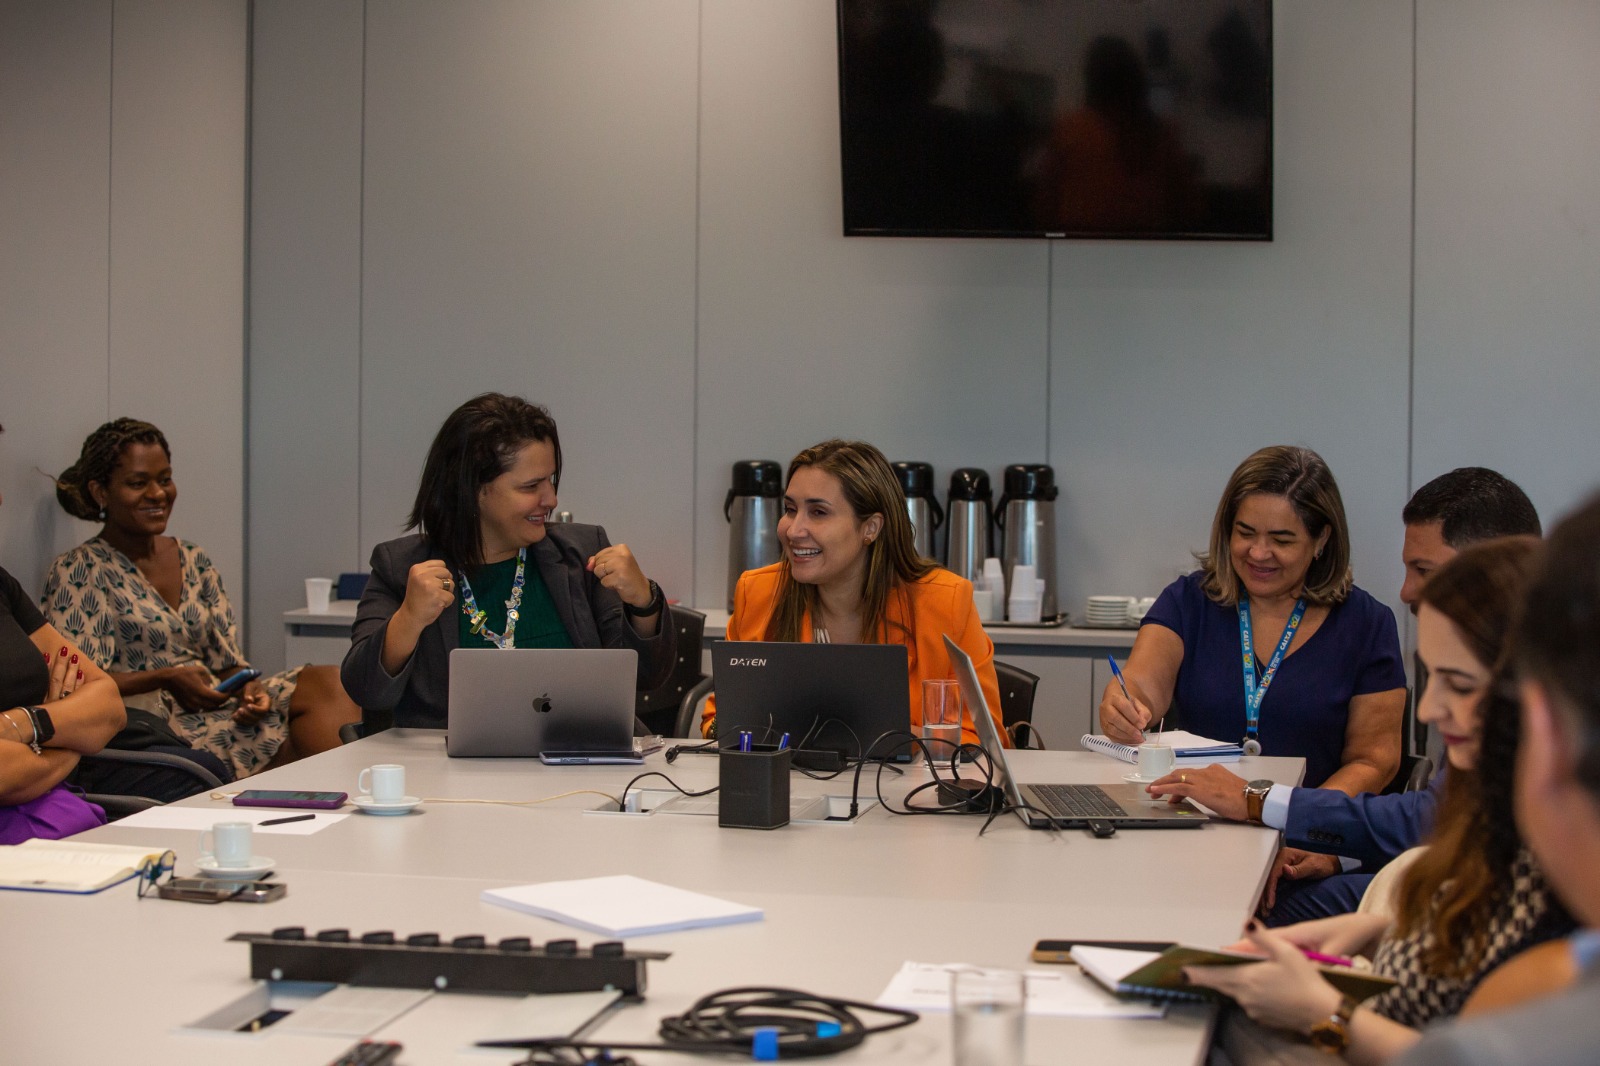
{"x":1252,"y":694}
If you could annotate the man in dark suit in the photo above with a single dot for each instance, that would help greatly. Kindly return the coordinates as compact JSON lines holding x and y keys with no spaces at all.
{"x":1557,"y":803}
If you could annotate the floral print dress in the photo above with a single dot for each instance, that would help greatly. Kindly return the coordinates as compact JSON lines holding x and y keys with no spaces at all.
{"x":98,"y":598}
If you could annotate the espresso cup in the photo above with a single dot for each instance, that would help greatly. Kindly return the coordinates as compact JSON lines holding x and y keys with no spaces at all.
{"x":228,"y":844}
{"x":1155,"y":760}
{"x":384,"y":783}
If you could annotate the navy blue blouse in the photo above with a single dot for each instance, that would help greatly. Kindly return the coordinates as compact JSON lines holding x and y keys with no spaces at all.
{"x":1355,"y":652}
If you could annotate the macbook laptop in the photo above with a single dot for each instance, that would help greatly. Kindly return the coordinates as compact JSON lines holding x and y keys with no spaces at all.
{"x":838,"y":696}
{"x":1064,"y":806}
{"x":526,"y":701}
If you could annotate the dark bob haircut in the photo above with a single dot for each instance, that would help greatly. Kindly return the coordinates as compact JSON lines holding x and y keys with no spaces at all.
{"x":477,"y":443}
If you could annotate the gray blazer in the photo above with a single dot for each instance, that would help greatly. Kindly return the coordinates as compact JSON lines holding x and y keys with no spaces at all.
{"x":418,"y":695}
{"x":1562,"y":1030}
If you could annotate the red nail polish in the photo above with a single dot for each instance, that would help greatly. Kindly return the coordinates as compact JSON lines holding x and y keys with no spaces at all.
{"x":74,"y":658}
{"x":63,"y":649}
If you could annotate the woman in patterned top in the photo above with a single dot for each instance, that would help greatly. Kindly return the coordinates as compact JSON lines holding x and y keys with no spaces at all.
{"x":152,"y":609}
{"x":1474,"y":898}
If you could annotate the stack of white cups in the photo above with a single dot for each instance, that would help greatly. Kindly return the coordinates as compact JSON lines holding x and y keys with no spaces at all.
{"x":1027,"y":594}
{"x":989,"y":591}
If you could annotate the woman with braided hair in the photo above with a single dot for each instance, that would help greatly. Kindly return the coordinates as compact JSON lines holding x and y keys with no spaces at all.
{"x":151,"y":608}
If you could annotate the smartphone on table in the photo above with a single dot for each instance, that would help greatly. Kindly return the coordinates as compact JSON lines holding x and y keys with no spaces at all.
{"x":1060,"y":951}
{"x":235,"y":682}
{"x":266,"y":797}
{"x":583,"y":758}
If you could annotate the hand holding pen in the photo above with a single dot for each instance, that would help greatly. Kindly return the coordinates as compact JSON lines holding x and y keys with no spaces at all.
{"x":1122,"y":718}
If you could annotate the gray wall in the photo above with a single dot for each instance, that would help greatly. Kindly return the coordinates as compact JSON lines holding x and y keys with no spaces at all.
{"x":122,"y":225}
{"x":630,"y":211}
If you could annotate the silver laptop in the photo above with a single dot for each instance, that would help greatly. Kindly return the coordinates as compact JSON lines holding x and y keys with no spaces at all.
{"x":526,"y":701}
{"x":1064,"y":806}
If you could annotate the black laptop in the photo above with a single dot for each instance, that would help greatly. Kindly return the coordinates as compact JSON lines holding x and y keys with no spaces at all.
{"x":824,"y":696}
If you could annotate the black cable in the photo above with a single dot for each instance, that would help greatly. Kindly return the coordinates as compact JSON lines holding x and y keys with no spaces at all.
{"x":732,"y":1021}
{"x":657,"y":773}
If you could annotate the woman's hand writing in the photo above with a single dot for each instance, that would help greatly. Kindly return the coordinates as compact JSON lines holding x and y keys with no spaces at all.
{"x":1121,"y":719}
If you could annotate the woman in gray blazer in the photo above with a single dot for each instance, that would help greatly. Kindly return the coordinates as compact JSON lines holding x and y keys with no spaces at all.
{"x":488,"y":569}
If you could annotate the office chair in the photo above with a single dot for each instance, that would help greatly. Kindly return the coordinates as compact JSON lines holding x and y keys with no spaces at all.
{"x":117,"y":805}
{"x":688,"y":724}
{"x":1017,"y":690}
{"x":660,"y":709}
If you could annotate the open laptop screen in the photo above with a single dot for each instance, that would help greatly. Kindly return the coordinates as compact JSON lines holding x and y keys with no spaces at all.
{"x":840,"y":696}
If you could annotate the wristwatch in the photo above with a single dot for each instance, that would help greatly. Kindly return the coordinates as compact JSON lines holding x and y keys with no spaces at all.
{"x":656,"y":599}
{"x":1332,"y":1034}
{"x":1255,"y":794}
{"x":44,"y":730}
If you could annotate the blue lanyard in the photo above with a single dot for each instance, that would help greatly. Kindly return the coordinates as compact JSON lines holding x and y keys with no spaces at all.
{"x":1252,"y":694}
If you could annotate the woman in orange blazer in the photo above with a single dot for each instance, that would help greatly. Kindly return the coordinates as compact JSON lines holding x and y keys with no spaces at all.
{"x":850,"y":574}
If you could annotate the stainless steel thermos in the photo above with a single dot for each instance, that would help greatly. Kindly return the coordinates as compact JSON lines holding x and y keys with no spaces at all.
{"x":1026,"y":514}
{"x":752,"y":509}
{"x":969,"y":536}
{"x":916,"y":481}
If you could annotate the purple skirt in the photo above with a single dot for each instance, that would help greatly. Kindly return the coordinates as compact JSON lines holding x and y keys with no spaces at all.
{"x":56,"y":814}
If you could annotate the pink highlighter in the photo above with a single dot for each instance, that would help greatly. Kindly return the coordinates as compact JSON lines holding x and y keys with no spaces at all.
{"x":1328,"y":960}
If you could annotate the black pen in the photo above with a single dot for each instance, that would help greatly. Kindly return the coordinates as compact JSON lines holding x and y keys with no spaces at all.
{"x":286,"y":821}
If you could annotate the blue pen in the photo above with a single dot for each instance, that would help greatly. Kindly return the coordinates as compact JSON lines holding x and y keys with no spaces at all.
{"x":783,"y":742}
{"x":744,"y":740}
{"x":1121,"y":683}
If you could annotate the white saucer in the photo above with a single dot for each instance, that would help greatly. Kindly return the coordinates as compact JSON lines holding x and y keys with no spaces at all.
{"x":259,"y":864}
{"x":1134,"y":778}
{"x":403,"y":805}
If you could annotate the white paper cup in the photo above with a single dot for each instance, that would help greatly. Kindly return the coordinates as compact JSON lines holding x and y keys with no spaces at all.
{"x":1155,"y":760}
{"x":983,"y":601}
{"x":229,"y":844}
{"x":318,"y":591}
{"x":384,"y":783}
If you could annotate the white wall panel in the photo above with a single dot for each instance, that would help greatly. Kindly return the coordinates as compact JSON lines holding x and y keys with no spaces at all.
{"x":1508,"y":244}
{"x":934,"y":350}
{"x":530,"y":228}
{"x":1172,"y":362}
{"x":55,"y":136}
{"x":178,"y":108}
{"x":305,"y":305}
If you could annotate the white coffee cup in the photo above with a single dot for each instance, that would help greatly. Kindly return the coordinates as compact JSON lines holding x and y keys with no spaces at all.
{"x":318,"y":591}
{"x":1155,"y":760}
{"x":228,"y":844}
{"x":387,"y":785}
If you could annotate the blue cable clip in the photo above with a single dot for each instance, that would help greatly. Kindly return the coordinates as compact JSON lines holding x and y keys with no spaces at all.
{"x":827,"y":1030}
{"x":764,"y":1044}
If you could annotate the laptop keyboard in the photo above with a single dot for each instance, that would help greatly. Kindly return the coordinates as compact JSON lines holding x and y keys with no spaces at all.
{"x":1076,"y":801}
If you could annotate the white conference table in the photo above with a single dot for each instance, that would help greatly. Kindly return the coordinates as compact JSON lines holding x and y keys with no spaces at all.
{"x":108,"y":977}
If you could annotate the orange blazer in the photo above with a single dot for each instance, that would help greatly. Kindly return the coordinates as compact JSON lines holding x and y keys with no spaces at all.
{"x":939,"y":603}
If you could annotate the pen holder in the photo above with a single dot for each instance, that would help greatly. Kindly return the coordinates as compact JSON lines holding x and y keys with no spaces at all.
{"x":754,"y":787}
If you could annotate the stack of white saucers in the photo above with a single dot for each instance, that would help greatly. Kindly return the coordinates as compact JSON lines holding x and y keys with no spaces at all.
{"x":1108,"y":610}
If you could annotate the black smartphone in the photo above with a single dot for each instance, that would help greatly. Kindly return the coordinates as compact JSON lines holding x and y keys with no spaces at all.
{"x":215,"y":890}
{"x":1059,"y":951}
{"x":267,"y":797}
{"x":238,"y":680}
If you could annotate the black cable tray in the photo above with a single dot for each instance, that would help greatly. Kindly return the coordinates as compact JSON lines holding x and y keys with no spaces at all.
{"x":462,"y":964}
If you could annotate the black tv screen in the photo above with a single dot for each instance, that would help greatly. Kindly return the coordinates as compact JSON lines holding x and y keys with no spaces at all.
{"x":1057,"y":118}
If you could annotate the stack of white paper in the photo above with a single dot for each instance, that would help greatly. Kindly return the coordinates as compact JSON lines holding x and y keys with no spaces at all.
{"x":621,"y":906}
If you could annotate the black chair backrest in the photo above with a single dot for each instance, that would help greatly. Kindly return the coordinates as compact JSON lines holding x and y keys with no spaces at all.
{"x":658,"y":708}
{"x":1017,"y":689}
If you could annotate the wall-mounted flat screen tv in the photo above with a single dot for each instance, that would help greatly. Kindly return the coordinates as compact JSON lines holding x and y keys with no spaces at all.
{"x":1134,"y":119}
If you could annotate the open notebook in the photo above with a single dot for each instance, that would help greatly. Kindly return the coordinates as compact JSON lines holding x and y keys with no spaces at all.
{"x":66,"y":866}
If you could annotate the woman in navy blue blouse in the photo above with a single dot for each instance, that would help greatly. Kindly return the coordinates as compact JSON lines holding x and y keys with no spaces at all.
{"x":1323,"y":679}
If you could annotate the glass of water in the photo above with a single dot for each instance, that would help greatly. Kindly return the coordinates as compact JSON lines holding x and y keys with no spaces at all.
{"x":941,"y":719}
{"x":987,"y":1008}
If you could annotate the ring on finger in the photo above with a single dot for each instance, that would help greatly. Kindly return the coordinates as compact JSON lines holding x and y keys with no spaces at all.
{"x":1183,"y":778}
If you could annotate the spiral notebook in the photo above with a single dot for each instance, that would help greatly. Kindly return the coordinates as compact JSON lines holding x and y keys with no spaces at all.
{"x":1159,"y":974}
{"x":1187,"y":748}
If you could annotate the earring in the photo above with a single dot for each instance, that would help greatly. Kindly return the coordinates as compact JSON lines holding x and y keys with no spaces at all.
{"x":102,"y":515}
